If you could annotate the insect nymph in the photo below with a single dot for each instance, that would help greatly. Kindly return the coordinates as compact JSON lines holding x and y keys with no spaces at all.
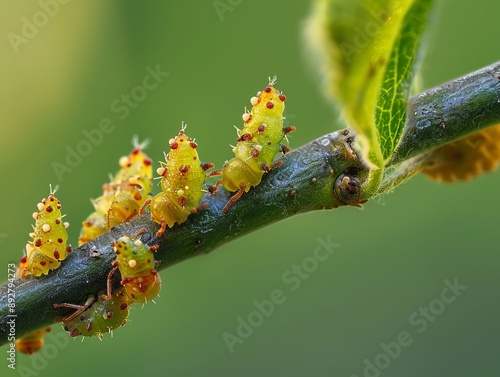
{"x":123,"y":197}
{"x":182,"y":183}
{"x":49,"y":246}
{"x":136,"y":264}
{"x":97,"y":317}
{"x":258,"y":143}
{"x":465,"y":158}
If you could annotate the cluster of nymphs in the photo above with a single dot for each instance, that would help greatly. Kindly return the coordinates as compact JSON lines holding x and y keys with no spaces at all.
{"x":128,"y":194}
{"x":123,"y":197}
{"x":183,"y":177}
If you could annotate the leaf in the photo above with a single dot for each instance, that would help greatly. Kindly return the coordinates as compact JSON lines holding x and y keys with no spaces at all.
{"x":399,"y":76}
{"x":357,"y":40}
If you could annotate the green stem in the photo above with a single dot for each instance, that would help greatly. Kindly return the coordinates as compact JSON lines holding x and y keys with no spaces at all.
{"x":304,"y":182}
{"x":450,"y":112}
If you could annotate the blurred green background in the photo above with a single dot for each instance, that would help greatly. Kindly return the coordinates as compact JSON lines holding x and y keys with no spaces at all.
{"x":394,"y":254}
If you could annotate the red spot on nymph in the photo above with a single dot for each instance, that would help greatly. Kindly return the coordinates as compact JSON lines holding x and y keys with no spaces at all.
{"x":182,"y":201}
{"x":245,"y":137}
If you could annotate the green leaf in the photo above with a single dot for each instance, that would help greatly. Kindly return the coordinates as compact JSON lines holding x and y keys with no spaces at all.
{"x":396,"y":87}
{"x":360,"y":43}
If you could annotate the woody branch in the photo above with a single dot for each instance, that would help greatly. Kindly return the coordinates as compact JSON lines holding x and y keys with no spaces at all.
{"x":324,"y":174}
